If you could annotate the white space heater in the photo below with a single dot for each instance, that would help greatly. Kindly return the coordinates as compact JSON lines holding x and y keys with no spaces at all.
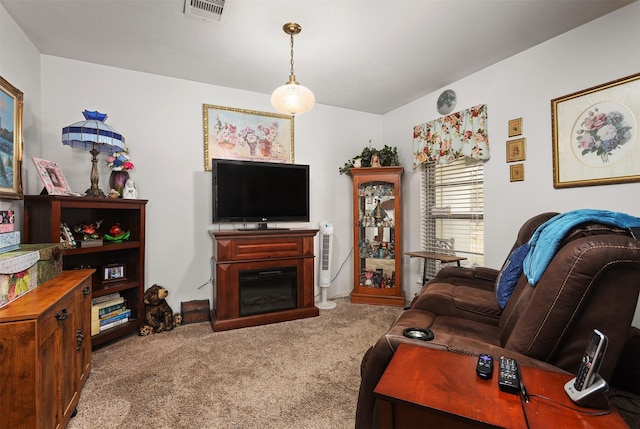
{"x":324,"y":276}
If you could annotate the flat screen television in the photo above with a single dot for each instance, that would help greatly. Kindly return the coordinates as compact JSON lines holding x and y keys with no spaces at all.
{"x":252,"y":191}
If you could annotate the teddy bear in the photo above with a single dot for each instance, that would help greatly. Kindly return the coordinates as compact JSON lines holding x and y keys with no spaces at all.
{"x":158,"y":315}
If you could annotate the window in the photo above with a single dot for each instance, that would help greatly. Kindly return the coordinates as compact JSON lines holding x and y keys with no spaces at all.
{"x":452,"y":211}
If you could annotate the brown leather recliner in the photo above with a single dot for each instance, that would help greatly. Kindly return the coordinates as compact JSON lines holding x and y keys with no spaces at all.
{"x":593,"y":281}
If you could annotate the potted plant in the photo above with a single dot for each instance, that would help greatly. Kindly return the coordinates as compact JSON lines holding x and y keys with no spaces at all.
{"x":387,"y":156}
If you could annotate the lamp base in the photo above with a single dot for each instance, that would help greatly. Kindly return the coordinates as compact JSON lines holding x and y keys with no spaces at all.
{"x":91,"y":192}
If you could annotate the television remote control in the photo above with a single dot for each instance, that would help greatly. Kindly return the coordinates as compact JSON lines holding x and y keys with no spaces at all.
{"x":509,"y":376}
{"x":484,"y":367}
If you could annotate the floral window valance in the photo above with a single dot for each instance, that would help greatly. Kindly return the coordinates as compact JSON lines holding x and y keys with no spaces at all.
{"x":452,"y":137}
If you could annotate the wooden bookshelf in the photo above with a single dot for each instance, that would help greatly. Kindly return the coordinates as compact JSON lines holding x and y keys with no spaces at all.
{"x":43,"y":215}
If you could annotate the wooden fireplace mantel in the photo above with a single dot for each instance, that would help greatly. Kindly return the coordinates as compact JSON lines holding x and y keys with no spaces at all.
{"x":237,"y":251}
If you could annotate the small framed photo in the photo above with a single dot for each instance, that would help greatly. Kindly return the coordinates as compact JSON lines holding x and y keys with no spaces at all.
{"x":516,"y":173}
{"x":515,"y":127}
{"x":516,"y":150}
{"x":52,"y":177}
{"x":114,"y":272}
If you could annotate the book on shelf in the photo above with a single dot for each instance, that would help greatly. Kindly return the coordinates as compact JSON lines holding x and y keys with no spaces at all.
{"x":114,"y":324}
{"x":114,"y":309}
{"x":98,"y":324}
{"x":125,"y":314}
{"x":96,"y":308}
{"x":103,"y":298}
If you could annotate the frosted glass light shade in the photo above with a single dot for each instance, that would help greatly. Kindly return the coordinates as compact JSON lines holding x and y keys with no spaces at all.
{"x":292,"y":98}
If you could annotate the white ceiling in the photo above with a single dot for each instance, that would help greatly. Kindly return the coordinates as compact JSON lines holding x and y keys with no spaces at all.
{"x":367,"y":55}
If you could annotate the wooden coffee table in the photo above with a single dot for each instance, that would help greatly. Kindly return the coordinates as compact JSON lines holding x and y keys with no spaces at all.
{"x":424,"y":387}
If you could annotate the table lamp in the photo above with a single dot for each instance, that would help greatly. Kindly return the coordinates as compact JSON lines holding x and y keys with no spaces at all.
{"x":95,"y":136}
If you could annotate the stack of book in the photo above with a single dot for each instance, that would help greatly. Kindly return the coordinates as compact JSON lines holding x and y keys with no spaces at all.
{"x":108,"y":311}
{"x":9,"y":239}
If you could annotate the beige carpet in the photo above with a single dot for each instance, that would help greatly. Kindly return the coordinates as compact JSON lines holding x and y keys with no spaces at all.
{"x":298,"y":374}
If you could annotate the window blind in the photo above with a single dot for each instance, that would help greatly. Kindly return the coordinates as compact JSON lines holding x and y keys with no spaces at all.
{"x":452,"y":211}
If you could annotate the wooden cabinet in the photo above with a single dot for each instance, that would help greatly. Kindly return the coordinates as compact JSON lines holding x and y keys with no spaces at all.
{"x":43,"y":215}
{"x":263,"y":267}
{"x":45,"y":352}
{"x":377,"y":236}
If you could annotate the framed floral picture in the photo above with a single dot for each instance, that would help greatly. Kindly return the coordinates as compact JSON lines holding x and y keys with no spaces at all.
{"x":232,"y":133}
{"x":595,"y":135}
{"x":516,"y":150}
{"x":11,"y":104}
{"x":52,"y":177}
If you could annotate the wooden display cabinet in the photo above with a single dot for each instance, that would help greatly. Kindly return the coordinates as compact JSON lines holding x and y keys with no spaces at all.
{"x":43,"y":215}
{"x":377,"y":236}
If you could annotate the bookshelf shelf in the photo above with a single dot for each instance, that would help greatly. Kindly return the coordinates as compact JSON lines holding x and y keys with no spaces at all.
{"x":43,"y":215}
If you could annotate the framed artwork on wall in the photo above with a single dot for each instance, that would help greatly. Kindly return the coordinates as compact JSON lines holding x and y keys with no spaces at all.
{"x":515,"y":127}
{"x":516,"y":150}
{"x":595,"y":135}
{"x":231,"y":133}
{"x":516,"y":172}
{"x":11,"y":103}
{"x":52,"y":177}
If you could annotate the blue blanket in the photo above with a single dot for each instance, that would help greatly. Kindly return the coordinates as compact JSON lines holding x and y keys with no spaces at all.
{"x":545,"y":239}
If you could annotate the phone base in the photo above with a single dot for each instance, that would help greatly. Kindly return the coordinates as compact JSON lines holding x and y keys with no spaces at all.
{"x":591,"y":397}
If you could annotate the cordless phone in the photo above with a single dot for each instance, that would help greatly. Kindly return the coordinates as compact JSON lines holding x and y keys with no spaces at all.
{"x":591,"y":360}
{"x":587,"y":384}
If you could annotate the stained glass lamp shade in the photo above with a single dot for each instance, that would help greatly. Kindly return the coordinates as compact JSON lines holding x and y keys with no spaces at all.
{"x":95,"y":136}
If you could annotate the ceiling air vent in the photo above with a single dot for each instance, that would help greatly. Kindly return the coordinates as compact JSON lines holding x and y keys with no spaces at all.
{"x":213,"y":10}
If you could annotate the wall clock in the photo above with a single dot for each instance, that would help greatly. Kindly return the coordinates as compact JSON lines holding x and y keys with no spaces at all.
{"x":446,"y":102}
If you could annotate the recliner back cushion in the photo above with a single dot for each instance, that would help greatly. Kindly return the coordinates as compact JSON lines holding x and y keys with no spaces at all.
{"x":538,"y":321}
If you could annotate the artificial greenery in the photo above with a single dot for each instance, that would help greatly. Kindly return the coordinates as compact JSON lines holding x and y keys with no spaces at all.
{"x":388,"y":156}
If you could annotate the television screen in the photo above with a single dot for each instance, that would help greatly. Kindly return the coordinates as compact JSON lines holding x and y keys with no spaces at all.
{"x":251,"y":191}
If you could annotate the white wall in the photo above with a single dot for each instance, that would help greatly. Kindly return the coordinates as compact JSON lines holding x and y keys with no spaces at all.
{"x":161,"y":119}
{"x":522,"y":87}
{"x":20,"y":66}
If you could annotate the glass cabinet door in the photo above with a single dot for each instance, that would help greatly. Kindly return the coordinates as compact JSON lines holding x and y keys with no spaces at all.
{"x":376,"y":229}
{"x":377,"y":236}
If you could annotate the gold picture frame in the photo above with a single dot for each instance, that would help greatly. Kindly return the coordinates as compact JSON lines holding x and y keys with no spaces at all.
{"x":11,"y":106}
{"x":516,"y":150}
{"x":595,"y":135}
{"x":231,"y":133}
{"x":516,"y":173}
{"x":515,"y":127}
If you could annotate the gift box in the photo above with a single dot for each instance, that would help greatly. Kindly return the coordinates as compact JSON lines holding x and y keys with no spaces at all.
{"x":50,"y":263}
{"x":18,"y":274}
{"x":9,"y":241}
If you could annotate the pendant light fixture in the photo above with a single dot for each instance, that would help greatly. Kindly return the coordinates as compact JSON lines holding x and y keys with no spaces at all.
{"x":292,"y":98}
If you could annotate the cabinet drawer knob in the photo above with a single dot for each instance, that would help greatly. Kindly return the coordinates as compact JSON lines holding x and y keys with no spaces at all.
{"x":62,"y":314}
{"x":86,"y":290}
